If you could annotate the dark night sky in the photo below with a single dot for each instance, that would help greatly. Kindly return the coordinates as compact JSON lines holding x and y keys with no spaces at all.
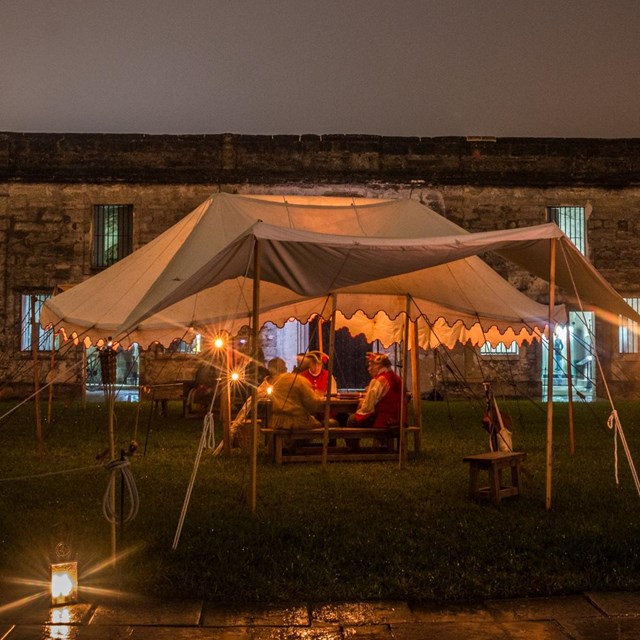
{"x":560,"y":68}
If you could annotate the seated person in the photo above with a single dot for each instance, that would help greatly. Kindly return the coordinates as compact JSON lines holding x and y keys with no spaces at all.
{"x":293,"y":401}
{"x":380,"y":406}
{"x":275,"y":368}
{"x":311,"y":367}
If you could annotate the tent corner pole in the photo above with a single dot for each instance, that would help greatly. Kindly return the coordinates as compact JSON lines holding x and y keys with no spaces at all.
{"x":255,"y":314}
{"x":327,"y":406}
{"x":402,"y":453}
{"x":572,"y":440}
{"x":549,"y":445}
{"x":415,"y":376}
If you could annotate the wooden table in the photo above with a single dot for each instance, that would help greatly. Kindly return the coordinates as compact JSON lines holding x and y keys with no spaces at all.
{"x":495,"y":462}
{"x":161,"y":393}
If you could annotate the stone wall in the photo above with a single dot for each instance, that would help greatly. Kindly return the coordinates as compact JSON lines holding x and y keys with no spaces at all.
{"x":50,"y":182}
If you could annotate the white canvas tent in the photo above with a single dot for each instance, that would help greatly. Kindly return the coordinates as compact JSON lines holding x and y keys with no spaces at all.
{"x":198,"y":274}
{"x":298,"y":250}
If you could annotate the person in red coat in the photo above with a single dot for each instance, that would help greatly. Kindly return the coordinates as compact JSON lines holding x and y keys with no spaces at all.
{"x":311,"y":367}
{"x":380,"y":406}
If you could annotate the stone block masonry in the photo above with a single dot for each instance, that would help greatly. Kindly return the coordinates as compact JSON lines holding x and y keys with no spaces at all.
{"x":49,"y":184}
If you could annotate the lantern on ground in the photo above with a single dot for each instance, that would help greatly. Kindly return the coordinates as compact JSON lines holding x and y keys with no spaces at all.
{"x":64,"y":583}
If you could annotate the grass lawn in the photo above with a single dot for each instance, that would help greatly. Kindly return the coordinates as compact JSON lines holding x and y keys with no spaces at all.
{"x":353,"y":531}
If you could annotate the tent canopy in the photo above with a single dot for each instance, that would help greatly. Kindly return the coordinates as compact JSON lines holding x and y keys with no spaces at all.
{"x":197,"y":275}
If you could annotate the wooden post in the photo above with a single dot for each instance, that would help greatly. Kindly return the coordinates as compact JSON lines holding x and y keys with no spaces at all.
{"x":327,"y":406}
{"x":552,"y":301}
{"x":402,"y":454}
{"x":83,"y":376}
{"x":572,"y":443}
{"x":415,"y":376}
{"x":225,"y":400}
{"x":52,"y":361}
{"x":254,"y":387}
{"x":320,"y":336}
{"x":35,"y":338}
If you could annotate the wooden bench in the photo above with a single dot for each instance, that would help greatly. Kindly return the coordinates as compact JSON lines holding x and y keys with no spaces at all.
{"x":305,"y":445}
{"x":495,"y":462}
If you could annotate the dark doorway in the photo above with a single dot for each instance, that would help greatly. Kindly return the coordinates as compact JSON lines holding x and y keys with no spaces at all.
{"x":350,"y":364}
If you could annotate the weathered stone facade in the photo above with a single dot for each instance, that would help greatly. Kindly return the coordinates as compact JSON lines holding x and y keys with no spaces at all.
{"x":50,"y":182}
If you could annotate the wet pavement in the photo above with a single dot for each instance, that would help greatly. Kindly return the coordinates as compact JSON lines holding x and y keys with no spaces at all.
{"x":587,"y":616}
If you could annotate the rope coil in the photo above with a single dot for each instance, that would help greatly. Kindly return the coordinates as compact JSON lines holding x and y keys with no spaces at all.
{"x":123,"y":467}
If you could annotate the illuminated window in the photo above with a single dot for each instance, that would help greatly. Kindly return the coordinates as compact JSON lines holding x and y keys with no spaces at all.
{"x":628,"y":330}
{"x":180,"y":346}
{"x":500,"y":349}
{"x":112,"y":233}
{"x":45,"y":337}
{"x":571,"y":221}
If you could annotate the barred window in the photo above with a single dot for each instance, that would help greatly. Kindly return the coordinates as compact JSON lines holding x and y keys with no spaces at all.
{"x":571,"y":221}
{"x":629,"y":340}
{"x":501,"y":349}
{"x":45,"y":336}
{"x":112,"y":233}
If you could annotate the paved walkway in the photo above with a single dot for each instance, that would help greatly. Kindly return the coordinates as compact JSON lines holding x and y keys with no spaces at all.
{"x":589,"y":616}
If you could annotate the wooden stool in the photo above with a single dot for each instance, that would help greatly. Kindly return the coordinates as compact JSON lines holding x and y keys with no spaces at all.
{"x":494,"y":462}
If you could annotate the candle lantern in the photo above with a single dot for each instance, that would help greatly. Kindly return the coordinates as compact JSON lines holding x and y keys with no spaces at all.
{"x":64,"y":570}
{"x":64,"y":583}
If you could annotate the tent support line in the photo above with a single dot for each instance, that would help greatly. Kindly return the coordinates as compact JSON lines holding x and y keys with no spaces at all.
{"x":255,"y":433}
{"x":549,"y":447}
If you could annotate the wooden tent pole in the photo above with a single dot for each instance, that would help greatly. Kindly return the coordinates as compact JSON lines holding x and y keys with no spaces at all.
{"x":320,"y":336}
{"x":255,"y":434}
{"x":415,"y":376}
{"x":225,"y":403}
{"x":83,"y":376}
{"x":552,"y":300}
{"x":327,"y":405}
{"x":52,"y":361}
{"x":35,"y":336}
{"x":402,"y":454}
{"x":572,"y":442}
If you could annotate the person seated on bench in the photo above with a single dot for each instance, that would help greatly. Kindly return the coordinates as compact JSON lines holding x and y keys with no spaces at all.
{"x":293,"y":401}
{"x":276,"y":367}
{"x":380,"y":406}
{"x":311,"y":367}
